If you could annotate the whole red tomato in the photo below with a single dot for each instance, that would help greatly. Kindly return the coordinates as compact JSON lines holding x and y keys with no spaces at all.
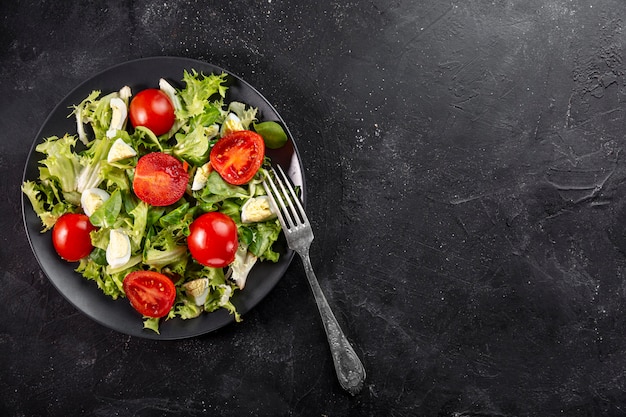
{"x":152,"y":108}
{"x":70,"y":236}
{"x":213,"y":239}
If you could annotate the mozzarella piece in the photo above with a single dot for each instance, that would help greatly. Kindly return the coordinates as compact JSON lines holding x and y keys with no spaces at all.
{"x":232,"y":123}
{"x":201,"y":177}
{"x":118,"y":118}
{"x":118,"y":250}
{"x":198,"y":289}
{"x":91,"y":199}
{"x":257,"y":209}
{"x":120,"y":150}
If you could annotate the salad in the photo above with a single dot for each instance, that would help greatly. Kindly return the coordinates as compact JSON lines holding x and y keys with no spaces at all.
{"x":158,"y":195}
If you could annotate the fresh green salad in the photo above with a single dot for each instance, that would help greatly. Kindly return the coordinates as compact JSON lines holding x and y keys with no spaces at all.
{"x":157,"y":196}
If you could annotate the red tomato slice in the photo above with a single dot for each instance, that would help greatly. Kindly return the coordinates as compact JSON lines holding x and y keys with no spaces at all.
{"x":70,"y":236}
{"x":152,"y":108}
{"x":160,"y":179}
{"x":238,"y":156}
{"x":151,"y":293}
{"x":213,"y":240}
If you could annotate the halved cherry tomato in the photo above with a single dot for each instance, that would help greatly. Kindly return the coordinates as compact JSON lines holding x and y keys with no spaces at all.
{"x":238,"y":156}
{"x":213,"y":240}
{"x":151,"y":293}
{"x":70,"y":236}
{"x":152,"y":108}
{"x":160,"y":179}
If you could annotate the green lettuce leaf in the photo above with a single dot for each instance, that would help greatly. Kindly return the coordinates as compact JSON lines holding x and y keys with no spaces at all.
{"x":166,"y":247}
{"x":188,"y":309}
{"x":151,"y":323}
{"x":47,"y":207}
{"x":108,"y":213}
{"x":265,"y":234}
{"x":63,"y":165}
{"x":95,"y":112}
{"x":198,"y":89}
{"x":110,"y":284}
{"x":193,"y":147}
{"x":144,"y":138}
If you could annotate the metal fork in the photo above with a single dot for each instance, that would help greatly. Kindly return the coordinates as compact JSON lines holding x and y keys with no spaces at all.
{"x":299,"y":235}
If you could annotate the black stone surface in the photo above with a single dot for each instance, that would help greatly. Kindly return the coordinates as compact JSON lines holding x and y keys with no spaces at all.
{"x":464,"y":161}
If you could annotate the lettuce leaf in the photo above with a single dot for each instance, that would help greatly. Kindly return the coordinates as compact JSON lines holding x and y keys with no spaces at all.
{"x":167,"y":246}
{"x":110,"y":284}
{"x":265,"y":234}
{"x":45,"y":204}
{"x":95,"y":112}
{"x":199,"y":88}
{"x":193,"y":146}
{"x":61,"y":163}
{"x":108,"y":213}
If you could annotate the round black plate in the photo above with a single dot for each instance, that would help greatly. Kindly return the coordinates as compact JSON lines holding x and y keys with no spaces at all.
{"x":84,"y":294}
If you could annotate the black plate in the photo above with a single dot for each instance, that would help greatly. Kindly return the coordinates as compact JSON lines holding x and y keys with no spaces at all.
{"x":84,"y":294}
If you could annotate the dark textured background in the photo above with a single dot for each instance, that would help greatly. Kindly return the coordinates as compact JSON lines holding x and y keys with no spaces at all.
{"x":464,"y":163}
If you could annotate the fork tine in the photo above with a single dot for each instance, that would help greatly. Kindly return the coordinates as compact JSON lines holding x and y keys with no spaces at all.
{"x":300,"y":214}
{"x":277,"y":201}
{"x":288,"y":207}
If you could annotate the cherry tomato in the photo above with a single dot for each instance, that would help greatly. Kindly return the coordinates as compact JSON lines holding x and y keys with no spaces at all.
{"x":213,"y":240}
{"x":152,"y":108}
{"x":70,"y":236}
{"x":160,"y":179}
{"x":238,"y":156}
{"x":151,"y":293}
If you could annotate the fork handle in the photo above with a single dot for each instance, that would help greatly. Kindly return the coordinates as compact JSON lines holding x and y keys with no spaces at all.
{"x":350,"y":370}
